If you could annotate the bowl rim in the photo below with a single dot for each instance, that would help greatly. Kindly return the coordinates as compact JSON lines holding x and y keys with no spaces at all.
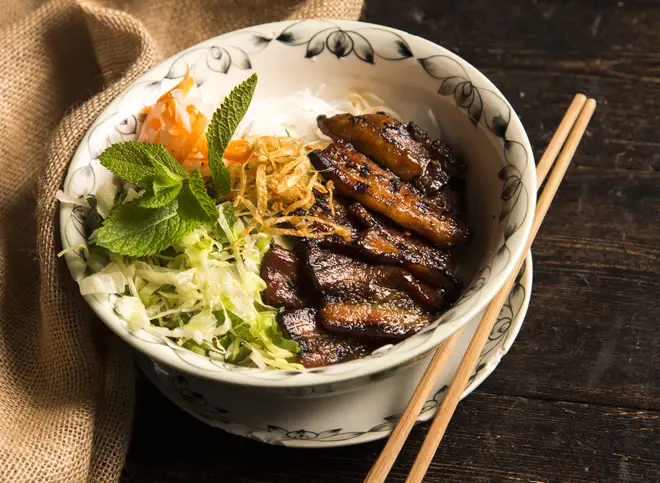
{"x":364,"y":367}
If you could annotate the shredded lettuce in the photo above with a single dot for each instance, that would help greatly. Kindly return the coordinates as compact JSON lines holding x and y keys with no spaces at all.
{"x":110,"y":279}
{"x":204,"y":293}
{"x":105,"y":198}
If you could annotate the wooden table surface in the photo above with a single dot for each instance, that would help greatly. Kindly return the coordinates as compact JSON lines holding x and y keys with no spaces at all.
{"x":578,"y":397}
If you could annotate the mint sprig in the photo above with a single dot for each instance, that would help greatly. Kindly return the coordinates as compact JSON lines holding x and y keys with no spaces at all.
{"x":165,"y":188}
{"x":223,"y":124}
{"x":137,"y":231}
{"x":174,"y":202}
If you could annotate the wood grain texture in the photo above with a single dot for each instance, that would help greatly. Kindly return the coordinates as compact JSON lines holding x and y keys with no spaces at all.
{"x":578,"y":397}
{"x":492,"y":438}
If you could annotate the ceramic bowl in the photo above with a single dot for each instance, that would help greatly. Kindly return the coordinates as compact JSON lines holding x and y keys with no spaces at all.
{"x":422,"y":82}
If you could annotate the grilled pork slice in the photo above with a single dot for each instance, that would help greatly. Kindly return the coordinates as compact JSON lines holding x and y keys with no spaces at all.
{"x":446,"y":164}
{"x":337,"y":276}
{"x":382,"y":138}
{"x":318,"y":347}
{"x":371,"y":320}
{"x":373,"y":239}
{"x":404,"y":148}
{"x":356,"y":176}
{"x":280,"y":270}
{"x":382,"y":242}
{"x":368,"y":300}
{"x":335,"y":212}
{"x":442,"y":182}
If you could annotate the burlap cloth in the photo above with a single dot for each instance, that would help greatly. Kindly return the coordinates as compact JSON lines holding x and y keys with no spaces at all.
{"x":66,"y":383}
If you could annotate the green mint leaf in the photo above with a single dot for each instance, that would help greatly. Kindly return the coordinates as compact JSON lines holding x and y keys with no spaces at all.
{"x":194,"y":201}
{"x":138,"y":231}
{"x":164,"y":189}
{"x":163,"y":197}
{"x":220,"y":175}
{"x":221,"y":129}
{"x":164,"y":158}
{"x":139,"y":163}
{"x":165,"y":182}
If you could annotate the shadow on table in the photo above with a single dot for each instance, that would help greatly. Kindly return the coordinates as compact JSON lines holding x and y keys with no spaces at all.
{"x":168,"y":445}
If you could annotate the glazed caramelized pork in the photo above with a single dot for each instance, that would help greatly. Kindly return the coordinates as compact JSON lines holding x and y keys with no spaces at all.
{"x":280,"y":270}
{"x":285,"y":287}
{"x":318,"y":347}
{"x":442,"y":157}
{"x":375,"y":239}
{"x":357,"y":177}
{"x":403,"y":148}
{"x":382,"y":138}
{"x":335,"y":212}
{"x":380,"y":301}
{"x":399,"y":194}
{"x":380,"y":241}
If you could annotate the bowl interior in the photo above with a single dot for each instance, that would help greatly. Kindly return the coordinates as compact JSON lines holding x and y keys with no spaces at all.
{"x":419,"y":80}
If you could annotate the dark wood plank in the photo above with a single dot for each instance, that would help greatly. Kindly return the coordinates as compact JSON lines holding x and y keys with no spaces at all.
{"x":591,"y":333}
{"x":491,"y":439}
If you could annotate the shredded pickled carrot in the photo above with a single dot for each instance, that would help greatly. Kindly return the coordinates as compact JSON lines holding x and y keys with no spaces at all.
{"x":184,"y":86}
{"x":178,"y":125}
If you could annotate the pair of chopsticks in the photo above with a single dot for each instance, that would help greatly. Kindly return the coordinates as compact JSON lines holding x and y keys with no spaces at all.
{"x":559,"y":154}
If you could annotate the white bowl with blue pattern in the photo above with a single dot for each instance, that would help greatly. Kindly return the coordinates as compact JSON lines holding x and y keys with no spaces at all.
{"x":413,"y":76}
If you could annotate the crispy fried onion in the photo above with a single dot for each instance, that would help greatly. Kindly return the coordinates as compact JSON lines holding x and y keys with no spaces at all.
{"x":276,"y":185}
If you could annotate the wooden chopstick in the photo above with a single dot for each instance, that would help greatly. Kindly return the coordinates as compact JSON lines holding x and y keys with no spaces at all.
{"x":559,"y":138}
{"x":457,"y":386}
{"x":388,"y":455}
